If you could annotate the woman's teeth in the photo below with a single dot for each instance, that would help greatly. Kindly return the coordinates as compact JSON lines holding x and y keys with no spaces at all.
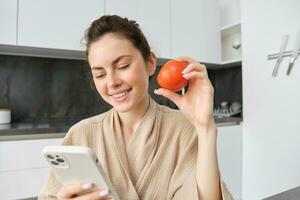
{"x":120,"y":94}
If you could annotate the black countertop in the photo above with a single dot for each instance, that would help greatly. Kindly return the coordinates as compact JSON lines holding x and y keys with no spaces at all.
{"x":21,"y":128}
{"x":56,"y":129}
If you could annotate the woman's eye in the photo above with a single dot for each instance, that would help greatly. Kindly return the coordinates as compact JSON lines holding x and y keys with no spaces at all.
{"x":124,"y":67}
{"x":99,"y":76}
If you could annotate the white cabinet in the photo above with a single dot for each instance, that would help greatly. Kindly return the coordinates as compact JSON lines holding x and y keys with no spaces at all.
{"x":22,"y":168}
{"x":153,"y":18}
{"x":58,"y":24}
{"x":230,"y":157}
{"x":195,"y":30}
{"x":173,"y":28}
{"x":8,"y":22}
{"x":231,"y":43}
{"x":230,"y":12}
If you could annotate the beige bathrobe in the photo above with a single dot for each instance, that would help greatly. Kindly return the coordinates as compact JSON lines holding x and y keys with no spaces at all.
{"x":158,"y":163}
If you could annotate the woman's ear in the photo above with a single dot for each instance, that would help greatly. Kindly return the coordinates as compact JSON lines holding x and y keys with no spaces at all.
{"x":151,"y":64}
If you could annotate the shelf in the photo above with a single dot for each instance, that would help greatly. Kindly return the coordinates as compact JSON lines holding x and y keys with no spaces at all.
{"x":230,"y":30}
{"x":231,"y":26}
{"x":230,"y":38}
{"x":228,"y":62}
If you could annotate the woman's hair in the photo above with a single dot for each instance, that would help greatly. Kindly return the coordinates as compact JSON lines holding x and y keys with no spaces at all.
{"x":116,"y":24}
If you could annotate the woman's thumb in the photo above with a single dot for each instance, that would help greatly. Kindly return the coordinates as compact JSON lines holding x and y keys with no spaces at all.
{"x":173,"y":96}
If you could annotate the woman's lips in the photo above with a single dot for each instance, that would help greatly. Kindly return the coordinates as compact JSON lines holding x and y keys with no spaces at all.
{"x":121,"y":96}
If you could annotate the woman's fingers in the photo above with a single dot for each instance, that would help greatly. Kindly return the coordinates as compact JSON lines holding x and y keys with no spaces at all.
{"x":82,"y":191}
{"x":194,"y":67}
{"x":186,"y":59}
{"x":195,"y":71}
{"x":95,"y":195}
{"x":193,"y":75}
{"x":70,"y":190}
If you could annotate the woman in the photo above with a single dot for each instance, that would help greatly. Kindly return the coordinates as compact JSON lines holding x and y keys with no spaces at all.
{"x":148,"y":151}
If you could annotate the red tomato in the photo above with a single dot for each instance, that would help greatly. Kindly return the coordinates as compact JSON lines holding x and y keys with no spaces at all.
{"x":170,"y":75}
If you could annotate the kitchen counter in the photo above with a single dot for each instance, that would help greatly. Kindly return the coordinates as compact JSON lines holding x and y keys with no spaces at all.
{"x":23,"y":131}
{"x":293,"y":194}
{"x":38,"y":130}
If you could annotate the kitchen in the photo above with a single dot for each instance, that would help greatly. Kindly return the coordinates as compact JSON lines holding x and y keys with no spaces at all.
{"x":42,"y":63}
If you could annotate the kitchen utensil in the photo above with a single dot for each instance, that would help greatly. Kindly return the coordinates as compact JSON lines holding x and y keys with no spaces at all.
{"x":279,"y":59}
{"x":294,"y":54}
{"x":227,"y":111}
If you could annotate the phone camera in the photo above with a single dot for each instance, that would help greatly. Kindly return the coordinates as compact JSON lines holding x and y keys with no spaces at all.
{"x":54,"y":163}
{"x":60,"y":160}
{"x":50,"y":157}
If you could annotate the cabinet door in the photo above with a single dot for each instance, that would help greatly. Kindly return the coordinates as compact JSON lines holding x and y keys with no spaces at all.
{"x":153,"y":18}
{"x":230,"y":157}
{"x":24,"y":154}
{"x":22,"y":184}
{"x":22,"y":167}
{"x":56,"y":24}
{"x":195,"y":30}
{"x":230,"y":12}
{"x":8,"y":22}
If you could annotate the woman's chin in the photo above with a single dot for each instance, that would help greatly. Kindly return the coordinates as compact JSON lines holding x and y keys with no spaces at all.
{"x":122,"y":108}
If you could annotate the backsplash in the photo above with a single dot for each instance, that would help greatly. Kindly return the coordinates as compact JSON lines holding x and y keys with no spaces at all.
{"x":42,"y":89}
{"x":46,"y":89}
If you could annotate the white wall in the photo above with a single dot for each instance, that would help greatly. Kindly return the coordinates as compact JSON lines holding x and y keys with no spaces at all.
{"x":271,"y":123}
{"x":230,"y":12}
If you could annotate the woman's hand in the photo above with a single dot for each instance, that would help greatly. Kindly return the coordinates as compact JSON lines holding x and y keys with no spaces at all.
{"x":197,"y":102}
{"x":82,"y":191}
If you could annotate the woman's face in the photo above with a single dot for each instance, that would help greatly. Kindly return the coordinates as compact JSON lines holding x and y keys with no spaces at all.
{"x":120,"y":73}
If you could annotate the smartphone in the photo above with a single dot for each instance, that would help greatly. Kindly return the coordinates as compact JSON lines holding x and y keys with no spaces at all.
{"x":77,"y":163}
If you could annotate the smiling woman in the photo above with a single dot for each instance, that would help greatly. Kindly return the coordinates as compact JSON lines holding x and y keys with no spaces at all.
{"x":120,"y":73}
{"x":148,"y":151}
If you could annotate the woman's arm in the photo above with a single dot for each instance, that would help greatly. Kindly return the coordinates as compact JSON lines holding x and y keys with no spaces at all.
{"x":197,"y":105}
{"x":207,"y":170}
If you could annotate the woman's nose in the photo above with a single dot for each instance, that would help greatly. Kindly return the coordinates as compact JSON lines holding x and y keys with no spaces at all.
{"x":113,"y":81}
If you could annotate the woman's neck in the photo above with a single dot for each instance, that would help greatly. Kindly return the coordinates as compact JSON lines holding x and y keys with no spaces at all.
{"x":131,"y":120}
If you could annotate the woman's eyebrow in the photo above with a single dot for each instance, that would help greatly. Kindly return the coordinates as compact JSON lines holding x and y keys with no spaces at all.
{"x":119,"y":58}
{"x":113,"y":62}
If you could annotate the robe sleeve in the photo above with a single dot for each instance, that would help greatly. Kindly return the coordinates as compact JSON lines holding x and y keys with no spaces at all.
{"x":183,"y":184}
{"x":52,"y":185}
{"x":189,"y":190}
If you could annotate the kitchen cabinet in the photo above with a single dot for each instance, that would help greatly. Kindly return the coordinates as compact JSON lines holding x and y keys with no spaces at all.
{"x":8,"y":22}
{"x":270,"y":104}
{"x":229,"y":148}
{"x":170,"y":31}
{"x":230,"y":12}
{"x":195,"y":30}
{"x":231,"y":43}
{"x":153,"y":18}
{"x":22,"y":168}
{"x":57,"y":24}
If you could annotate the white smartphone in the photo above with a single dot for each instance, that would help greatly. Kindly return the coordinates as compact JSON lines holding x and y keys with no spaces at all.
{"x":77,"y":163}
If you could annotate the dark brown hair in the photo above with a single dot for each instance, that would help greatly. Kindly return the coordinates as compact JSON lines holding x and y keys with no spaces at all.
{"x":123,"y":26}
